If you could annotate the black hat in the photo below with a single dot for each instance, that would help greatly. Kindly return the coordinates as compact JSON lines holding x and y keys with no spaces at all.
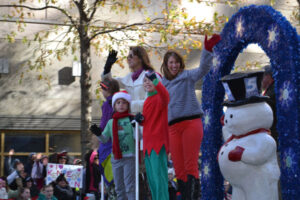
{"x":62,"y":154}
{"x":28,"y":179}
{"x":243,"y":88}
{"x":61,"y":177}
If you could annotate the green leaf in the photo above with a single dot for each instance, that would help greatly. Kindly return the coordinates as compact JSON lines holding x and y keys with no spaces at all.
{"x":272,"y":2}
{"x":24,"y":40}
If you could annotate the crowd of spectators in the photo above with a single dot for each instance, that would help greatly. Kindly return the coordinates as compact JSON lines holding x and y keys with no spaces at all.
{"x":27,"y":180}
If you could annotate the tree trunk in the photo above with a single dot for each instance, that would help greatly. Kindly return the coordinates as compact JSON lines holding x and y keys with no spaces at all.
{"x":86,"y":95}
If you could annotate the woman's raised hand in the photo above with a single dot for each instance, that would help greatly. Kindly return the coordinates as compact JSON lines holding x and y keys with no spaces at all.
{"x":111,"y":59}
{"x":209,"y":44}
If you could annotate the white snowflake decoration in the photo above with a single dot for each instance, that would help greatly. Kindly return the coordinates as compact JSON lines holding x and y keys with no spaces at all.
{"x":272,"y":36}
{"x":206,"y":170}
{"x":285,"y":94}
{"x":206,"y":120}
{"x":289,"y":159}
{"x":215,"y":63}
{"x":239,"y":27}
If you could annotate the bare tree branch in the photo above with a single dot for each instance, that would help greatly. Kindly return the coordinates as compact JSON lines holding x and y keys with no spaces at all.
{"x":94,"y":9}
{"x":42,"y":8}
{"x":83,"y":16}
{"x":123,"y":27}
{"x":65,"y":35}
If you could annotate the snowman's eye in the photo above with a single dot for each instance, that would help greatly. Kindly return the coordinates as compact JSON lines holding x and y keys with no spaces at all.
{"x":231,"y":116}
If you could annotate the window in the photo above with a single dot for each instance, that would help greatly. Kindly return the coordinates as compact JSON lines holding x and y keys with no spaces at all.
{"x":24,"y":142}
{"x":61,"y":141}
{"x":45,"y":142}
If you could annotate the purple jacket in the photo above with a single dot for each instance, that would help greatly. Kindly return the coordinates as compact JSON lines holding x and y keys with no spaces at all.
{"x":105,"y":149}
{"x":107,"y":112}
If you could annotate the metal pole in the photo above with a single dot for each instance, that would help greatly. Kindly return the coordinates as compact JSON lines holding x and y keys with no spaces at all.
{"x":136,"y":160}
{"x":102,"y":187}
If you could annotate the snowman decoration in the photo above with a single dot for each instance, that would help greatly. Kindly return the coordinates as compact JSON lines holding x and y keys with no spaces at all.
{"x":248,"y":158}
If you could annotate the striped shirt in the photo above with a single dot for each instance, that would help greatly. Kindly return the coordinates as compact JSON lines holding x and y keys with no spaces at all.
{"x":183,"y":103}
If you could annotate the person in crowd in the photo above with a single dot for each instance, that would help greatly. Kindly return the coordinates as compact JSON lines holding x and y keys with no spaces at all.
{"x":45,"y":161}
{"x":108,"y":87}
{"x":184,"y":115}
{"x":92,"y":174}
{"x":9,"y":166}
{"x":3,"y":189}
{"x":138,"y":62}
{"x":62,"y":157}
{"x":120,"y":130}
{"x":16,"y":178}
{"x":172,"y":185}
{"x":24,"y":194}
{"x":29,"y":163}
{"x":38,"y":170}
{"x":62,"y":190}
{"x":34,"y":191}
{"x":267,"y":86}
{"x":155,"y":135}
{"x":77,"y":161}
{"x":47,"y":193}
{"x":6,"y":192}
{"x":227,"y":190}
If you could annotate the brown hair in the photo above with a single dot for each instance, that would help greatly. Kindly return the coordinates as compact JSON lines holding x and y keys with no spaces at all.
{"x":22,"y":190}
{"x":112,"y":84}
{"x":164,"y":67}
{"x":6,"y":184}
{"x":47,"y":186}
{"x":143,"y":55}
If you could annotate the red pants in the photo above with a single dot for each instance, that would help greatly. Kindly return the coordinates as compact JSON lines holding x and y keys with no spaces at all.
{"x":185,"y":140}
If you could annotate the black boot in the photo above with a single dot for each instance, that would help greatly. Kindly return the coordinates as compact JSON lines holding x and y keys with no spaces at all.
{"x":192,"y":188}
{"x":182,"y":188}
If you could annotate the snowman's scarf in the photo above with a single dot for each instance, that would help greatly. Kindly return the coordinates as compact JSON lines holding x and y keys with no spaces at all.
{"x":260,"y":130}
{"x":249,"y":133}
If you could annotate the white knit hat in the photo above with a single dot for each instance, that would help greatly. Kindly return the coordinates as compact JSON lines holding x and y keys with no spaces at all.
{"x":121,"y":95}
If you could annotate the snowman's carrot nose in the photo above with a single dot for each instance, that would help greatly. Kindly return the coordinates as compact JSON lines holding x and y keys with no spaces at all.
{"x":222,"y":120}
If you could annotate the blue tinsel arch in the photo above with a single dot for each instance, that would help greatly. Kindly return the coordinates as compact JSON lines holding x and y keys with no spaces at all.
{"x":275,"y":35}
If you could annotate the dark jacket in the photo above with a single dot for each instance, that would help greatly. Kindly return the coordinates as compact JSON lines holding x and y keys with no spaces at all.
{"x":65,"y":193}
{"x":96,"y":173}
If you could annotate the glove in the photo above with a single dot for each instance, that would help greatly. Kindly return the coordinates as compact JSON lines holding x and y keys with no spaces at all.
{"x":95,"y":130}
{"x":139,"y":118}
{"x":236,"y":154}
{"x":209,"y":44}
{"x":111,"y":59}
{"x":151,"y":75}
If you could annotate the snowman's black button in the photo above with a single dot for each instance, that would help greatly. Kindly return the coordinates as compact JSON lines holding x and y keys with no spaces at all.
{"x":222,"y":152}
{"x":226,"y":145}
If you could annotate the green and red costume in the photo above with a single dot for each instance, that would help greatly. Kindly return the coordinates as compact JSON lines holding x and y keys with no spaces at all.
{"x":155,"y":140}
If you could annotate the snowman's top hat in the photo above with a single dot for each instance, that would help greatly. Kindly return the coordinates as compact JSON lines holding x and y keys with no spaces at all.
{"x":243,"y":88}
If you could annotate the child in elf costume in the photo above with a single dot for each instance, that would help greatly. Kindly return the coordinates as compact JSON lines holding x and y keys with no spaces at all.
{"x":155,"y":135}
{"x":120,"y":130}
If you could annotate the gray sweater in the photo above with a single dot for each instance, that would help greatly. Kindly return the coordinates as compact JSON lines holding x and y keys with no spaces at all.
{"x":183,"y":103}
